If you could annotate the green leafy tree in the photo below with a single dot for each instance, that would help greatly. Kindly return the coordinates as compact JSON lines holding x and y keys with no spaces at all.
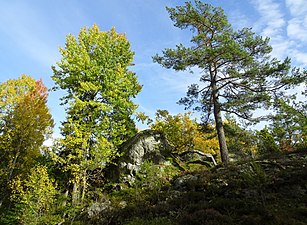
{"x":94,"y":72}
{"x":25,"y":123}
{"x":289,"y":124}
{"x":179,"y":129}
{"x":241,"y":142}
{"x":185,"y":134}
{"x":34,"y":197}
{"x":266,"y":142}
{"x":238,"y":75}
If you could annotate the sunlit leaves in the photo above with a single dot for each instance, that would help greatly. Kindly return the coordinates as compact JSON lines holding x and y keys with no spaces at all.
{"x":35,"y":196}
{"x":26,"y":122}
{"x":185,"y":134}
{"x":94,"y":72}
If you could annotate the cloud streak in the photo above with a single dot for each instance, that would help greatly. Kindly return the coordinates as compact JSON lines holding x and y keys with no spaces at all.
{"x":272,"y":19}
{"x":288,"y":32}
{"x":297,"y":25}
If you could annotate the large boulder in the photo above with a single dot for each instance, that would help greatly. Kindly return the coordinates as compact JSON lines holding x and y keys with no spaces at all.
{"x":147,"y":145}
{"x":197,"y":157}
{"x":151,"y":146}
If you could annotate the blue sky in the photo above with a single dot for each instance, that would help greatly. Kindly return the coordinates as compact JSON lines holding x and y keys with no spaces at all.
{"x":31,"y":31}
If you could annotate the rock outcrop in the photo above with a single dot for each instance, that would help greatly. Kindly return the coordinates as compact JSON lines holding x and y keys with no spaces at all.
{"x":197,"y":157}
{"x":147,"y":145}
{"x":152,"y":146}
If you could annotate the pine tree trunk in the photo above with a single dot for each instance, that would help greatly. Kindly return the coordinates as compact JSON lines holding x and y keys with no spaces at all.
{"x":219,"y":125}
{"x":221,"y":136}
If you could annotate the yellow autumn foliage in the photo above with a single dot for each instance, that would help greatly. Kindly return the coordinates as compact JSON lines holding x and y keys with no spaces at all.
{"x":185,"y":134}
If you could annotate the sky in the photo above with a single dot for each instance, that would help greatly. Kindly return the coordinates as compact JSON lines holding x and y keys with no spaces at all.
{"x":31,"y":32}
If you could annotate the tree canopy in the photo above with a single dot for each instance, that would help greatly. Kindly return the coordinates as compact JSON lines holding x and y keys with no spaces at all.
{"x":185,"y":134}
{"x":94,"y":71}
{"x":100,"y":171}
{"x":238,"y":75}
{"x":26,"y":122}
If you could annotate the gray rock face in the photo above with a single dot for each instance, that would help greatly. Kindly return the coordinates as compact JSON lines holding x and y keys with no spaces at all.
{"x":181,"y":182}
{"x":195,"y":156}
{"x":98,"y":207}
{"x":147,"y":145}
{"x":151,"y":146}
{"x":101,"y":212}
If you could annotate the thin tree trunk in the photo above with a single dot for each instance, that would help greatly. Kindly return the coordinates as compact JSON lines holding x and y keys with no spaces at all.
{"x":219,"y":125}
{"x":75,"y":193}
{"x":83,"y":186}
{"x":221,"y":136}
{"x":66,"y":197}
{"x":13,"y":167}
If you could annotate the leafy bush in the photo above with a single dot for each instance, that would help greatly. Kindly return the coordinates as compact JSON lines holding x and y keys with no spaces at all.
{"x":35,"y":198}
{"x":154,"y":221}
{"x":266,"y":142}
{"x":254,"y":175}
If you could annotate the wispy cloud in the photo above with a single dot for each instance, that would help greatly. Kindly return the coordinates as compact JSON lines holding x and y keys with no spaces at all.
{"x":300,"y":56}
{"x":272,"y":23}
{"x":288,"y":34}
{"x":239,"y":19}
{"x":297,"y":30}
{"x":35,"y":34}
{"x":297,"y":7}
{"x":272,"y":19}
{"x":178,"y":82}
{"x":297,"y":25}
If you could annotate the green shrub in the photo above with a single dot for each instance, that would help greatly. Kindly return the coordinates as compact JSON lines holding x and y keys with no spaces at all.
{"x":254,"y":175}
{"x":154,"y":221}
{"x":266,"y":143}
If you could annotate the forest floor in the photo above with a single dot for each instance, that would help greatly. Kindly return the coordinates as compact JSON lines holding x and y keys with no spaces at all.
{"x":267,"y":190}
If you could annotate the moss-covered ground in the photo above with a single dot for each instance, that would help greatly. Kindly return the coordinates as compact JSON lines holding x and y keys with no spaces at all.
{"x":267,"y":190}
